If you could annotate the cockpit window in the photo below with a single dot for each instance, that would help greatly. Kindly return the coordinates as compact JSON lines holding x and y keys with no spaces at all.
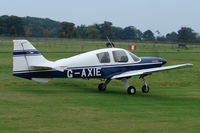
{"x":104,"y":57}
{"x":134,"y":57}
{"x":120,"y":56}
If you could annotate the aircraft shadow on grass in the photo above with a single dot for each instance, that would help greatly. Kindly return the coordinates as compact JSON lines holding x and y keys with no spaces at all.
{"x":77,"y":89}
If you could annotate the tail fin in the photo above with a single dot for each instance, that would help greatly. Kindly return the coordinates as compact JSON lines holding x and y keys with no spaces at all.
{"x":24,"y":55}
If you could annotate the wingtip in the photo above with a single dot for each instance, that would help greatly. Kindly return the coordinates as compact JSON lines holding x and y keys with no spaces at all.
{"x":189,"y":64}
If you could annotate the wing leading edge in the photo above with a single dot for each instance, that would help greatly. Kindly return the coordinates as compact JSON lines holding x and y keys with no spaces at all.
{"x":148,"y":71}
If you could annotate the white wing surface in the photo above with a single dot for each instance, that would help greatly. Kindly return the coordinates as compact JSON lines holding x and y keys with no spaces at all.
{"x":148,"y":71}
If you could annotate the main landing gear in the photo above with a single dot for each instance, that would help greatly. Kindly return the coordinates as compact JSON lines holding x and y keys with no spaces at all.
{"x":102,"y":86}
{"x":131,"y":90}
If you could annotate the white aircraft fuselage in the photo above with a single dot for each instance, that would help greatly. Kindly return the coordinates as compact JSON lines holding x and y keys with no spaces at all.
{"x":107,"y":63}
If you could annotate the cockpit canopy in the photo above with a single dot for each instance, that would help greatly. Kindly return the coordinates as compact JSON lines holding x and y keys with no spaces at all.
{"x":118,"y":56}
{"x":104,"y":57}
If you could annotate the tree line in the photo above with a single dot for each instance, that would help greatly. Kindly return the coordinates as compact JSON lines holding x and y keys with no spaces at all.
{"x":13,"y":26}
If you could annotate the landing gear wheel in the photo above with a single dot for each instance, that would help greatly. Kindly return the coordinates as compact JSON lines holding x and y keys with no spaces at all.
{"x":131,"y":90}
{"x":102,"y":87}
{"x":145,"y":88}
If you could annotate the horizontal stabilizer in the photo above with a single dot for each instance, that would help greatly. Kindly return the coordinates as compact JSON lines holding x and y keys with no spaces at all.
{"x":48,"y":66}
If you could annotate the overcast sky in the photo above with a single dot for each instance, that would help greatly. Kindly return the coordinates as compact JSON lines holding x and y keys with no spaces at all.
{"x":163,"y":15}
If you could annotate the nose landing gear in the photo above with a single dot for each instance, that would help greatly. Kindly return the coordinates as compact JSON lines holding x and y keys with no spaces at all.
{"x":145,"y":87}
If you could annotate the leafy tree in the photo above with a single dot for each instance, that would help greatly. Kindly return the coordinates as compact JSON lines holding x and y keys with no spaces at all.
{"x":67,"y":30}
{"x":148,"y":36}
{"x":38,"y":27}
{"x":138,"y":34}
{"x":93,"y":32}
{"x":172,"y":37}
{"x":105,"y":29}
{"x":129,"y":33}
{"x":117,"y":32}
{"x":28,"y":31}
{"x":45,"y":32}
{"x":81,"y":31}
{"x":198,"y":38}
{"x":161,"y":38}
{"x":15,"y":26}
{"x":11,"y":26}
{"x":186,"y":34}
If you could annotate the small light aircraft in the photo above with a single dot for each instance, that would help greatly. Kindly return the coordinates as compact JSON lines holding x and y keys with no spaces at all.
{"x":107,"y":64}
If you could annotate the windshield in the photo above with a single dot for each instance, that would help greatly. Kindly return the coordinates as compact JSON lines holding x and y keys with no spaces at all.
{"x":134,"y":57}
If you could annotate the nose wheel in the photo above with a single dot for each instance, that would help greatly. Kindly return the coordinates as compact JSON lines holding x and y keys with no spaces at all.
{"x":145,"y":87}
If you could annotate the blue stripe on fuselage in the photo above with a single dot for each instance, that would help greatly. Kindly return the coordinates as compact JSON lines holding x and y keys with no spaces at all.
{"x":106,"y":71}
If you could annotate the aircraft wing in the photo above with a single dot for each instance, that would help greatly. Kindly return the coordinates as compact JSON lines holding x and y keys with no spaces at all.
{"x":148,"y":71}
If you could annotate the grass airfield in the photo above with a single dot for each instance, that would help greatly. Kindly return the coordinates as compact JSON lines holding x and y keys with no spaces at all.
{"x":75,"y":105}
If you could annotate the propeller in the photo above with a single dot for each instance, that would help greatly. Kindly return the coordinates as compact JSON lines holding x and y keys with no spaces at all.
{"x":109,"y":43}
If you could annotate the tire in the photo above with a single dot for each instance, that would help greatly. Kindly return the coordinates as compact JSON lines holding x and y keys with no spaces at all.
{"x":102,"y":87}
{"x":145,"y":88}
{"x":131,"y":90}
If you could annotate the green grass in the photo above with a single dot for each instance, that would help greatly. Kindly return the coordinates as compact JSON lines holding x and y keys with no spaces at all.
{"x":75,"y":105}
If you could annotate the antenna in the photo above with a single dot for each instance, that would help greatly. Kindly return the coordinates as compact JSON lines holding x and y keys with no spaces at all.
{"x":109,"y":43}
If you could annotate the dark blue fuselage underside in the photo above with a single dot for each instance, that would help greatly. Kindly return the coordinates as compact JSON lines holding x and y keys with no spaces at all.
{"x":106,"y":71}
